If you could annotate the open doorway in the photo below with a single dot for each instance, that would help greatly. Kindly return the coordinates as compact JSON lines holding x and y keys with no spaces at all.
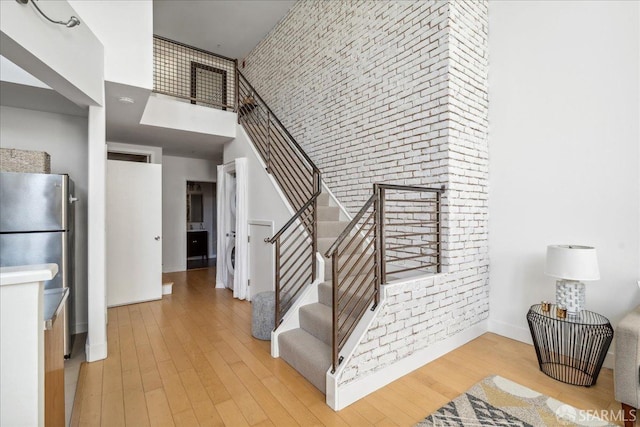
{"x":201,"y":225}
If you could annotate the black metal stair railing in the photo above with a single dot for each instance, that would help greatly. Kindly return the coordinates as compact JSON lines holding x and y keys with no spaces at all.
{"x":299,"y":179}
{"x":397,"y":231}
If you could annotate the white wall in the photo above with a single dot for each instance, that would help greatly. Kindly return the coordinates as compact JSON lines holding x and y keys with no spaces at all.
{"x":264,"y":201}
{"x":564,"y":151}
{"x":65,"y":139}
{"x":176,"y":171}
{"x":126,"y":31}
{"x":50,"y":52}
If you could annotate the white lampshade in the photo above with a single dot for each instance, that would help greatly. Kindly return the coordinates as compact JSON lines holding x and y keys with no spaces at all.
{"x":572,"y":262}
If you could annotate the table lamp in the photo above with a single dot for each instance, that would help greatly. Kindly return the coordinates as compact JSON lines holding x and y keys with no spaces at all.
{"x":571,"y":264}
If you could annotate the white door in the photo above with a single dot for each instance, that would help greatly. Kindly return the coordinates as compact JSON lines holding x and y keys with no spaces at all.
{"x":261,"y":262}
{"x":134,"y":229}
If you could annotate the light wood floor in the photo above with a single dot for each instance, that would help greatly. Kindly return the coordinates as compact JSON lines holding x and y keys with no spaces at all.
{"x":190,"y":360}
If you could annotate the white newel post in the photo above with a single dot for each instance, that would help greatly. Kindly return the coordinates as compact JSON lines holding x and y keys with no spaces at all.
{"x":22,"y":344}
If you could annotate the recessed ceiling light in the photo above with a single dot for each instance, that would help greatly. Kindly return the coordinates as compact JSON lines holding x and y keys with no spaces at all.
{"x":126,"y":100}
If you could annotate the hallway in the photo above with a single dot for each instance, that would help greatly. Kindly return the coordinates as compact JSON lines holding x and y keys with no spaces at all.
{"x":189,"y":359}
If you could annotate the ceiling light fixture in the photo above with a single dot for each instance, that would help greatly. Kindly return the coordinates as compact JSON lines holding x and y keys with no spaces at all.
{"x":72,"y":22}
{"x":126,"y":100}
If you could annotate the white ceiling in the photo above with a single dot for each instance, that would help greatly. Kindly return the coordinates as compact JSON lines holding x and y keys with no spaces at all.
{"x":123,"y":125}
{"x":230,"y":28}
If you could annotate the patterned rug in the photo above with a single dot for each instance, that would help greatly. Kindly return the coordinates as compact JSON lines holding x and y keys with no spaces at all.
{"x":496,"y":401}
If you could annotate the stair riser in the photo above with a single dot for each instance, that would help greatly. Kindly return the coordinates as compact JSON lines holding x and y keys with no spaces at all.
{"x":328,"y":266}
{"x":325,"y":290}
{"x":328,"y":213}
{"x":331,"y":228}
{"x":323,"y":199}
{"x":316,"y":322}
{"x":306,"y":355}
{"x":325,"y":243}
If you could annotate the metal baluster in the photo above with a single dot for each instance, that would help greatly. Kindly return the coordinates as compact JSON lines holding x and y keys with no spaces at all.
{"x":268,"y":142}
{"x":438,"y":235}
{"x":381,"y":228}
{"x":376,"y":246}
{"x":314,"y":239}
{"x":334,"y":308}
{"x":277,"y":313}
{"x":237,"y":89}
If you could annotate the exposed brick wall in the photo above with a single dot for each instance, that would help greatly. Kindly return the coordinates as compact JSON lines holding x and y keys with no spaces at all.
{"x":362,"y":87}
{"x":379,"y":91}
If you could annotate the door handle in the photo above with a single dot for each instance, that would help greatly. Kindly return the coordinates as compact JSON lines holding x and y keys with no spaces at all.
{"x":157,"y":238}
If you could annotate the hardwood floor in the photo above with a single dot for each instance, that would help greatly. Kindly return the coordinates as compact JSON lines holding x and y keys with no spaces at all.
{"x":190,"y":360}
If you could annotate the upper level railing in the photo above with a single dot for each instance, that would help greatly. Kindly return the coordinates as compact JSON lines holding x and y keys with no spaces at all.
{"x":196,"y":75}
{"x":397,"y":231}
{"x":299,"y":180}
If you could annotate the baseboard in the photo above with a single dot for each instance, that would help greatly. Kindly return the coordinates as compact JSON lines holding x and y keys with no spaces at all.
{"x":95,"y":352}
{"x":174,"y":269}
{"x":347,"y":394}
{"x":509,"y":330}
{"x":80,"y":328}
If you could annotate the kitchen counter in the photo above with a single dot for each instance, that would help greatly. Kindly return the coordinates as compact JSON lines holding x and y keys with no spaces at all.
{"x":54,"y":300}
{"x":23,"y":343}
{"x":27,"y":274}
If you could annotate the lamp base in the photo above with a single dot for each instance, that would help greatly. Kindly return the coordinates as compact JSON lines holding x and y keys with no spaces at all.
{"x":572,"y":295}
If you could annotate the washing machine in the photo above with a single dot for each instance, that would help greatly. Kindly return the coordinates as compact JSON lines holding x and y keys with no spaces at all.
{"x":231,"y":258}
{"x":230,"y":250}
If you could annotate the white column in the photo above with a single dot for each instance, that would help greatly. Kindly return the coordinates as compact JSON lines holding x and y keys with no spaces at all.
{"x":96,"y":347}
{"x":22,"y":344}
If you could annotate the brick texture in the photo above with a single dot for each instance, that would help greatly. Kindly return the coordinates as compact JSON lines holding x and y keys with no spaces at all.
{"x":386,"y":91}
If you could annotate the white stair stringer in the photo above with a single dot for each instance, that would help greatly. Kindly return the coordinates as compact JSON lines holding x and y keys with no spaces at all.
{"x":333,"y":397}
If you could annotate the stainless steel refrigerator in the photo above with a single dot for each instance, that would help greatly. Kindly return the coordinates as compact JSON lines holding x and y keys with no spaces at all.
{"x":37,"y":227}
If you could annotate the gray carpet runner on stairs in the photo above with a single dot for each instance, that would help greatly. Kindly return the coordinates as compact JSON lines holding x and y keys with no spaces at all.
{"x":308,"y":348}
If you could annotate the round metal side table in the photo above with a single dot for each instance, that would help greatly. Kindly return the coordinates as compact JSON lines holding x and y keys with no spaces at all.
{"x":572,"y":349}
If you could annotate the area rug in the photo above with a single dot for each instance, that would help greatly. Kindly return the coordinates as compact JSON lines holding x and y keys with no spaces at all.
{"x":496,"y":401}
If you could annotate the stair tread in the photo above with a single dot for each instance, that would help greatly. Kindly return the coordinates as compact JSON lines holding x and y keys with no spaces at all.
{"x":307,"y":355}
